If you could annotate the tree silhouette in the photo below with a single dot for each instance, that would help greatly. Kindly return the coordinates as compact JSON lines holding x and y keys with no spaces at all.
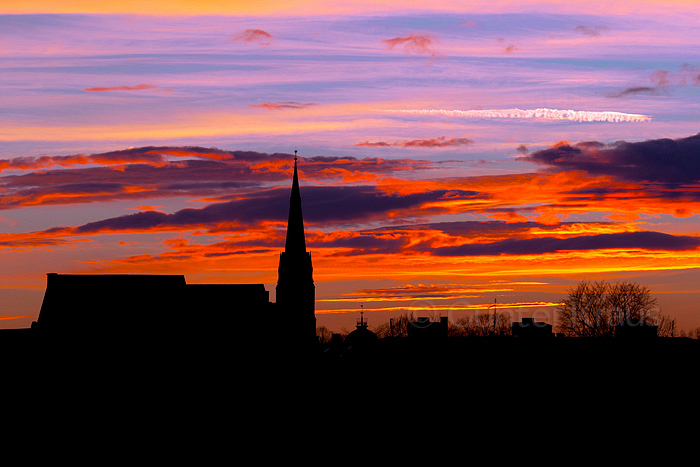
{"x":324,"y":335}
{"x":667,"y":326}
{"x":396,"y":327}
{"x":482,"y":324}
{"x":592,"y":309}
{"x":690,"y":334}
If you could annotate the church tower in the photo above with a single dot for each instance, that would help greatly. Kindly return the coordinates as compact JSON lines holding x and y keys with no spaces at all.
{"x":296,"y":293}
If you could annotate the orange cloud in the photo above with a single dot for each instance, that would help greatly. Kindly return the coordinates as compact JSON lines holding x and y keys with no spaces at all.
{"x":142,"y":173}
{"x":444,"y":308}
{"x":156,"y":172}
{"x":147,"y":208}
{"x":251,"y":218}
{"x":510,"y":217}
{"x":30,"y":240}
{"x":111,"y":159}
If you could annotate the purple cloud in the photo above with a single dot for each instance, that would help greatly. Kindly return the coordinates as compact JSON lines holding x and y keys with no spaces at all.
{"x":322,"y":205}
{"x":634,"y":91}
{"x":535,"y":246}
{"x":149,"y":172}
{"x":673,"y":162}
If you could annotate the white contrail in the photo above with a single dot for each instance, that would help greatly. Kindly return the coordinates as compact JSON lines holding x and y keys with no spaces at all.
{"x":548,"y":114}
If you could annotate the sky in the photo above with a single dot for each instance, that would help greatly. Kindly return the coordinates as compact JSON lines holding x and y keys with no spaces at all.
{"x":450,"y":157}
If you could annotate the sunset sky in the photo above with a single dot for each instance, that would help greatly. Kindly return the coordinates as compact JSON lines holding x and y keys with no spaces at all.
{"x":449,"y":155}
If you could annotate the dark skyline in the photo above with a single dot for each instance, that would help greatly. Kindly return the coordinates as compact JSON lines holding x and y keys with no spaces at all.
{"x":451,"y":153}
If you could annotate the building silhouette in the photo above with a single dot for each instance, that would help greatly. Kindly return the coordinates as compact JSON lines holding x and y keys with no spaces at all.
{"x":109,"y":307}
{"x":118,"y":308}
{"x":635,"y":330}
{"x":296,"y":293}
{"x":361,"y":340}
{"x":425,"y":329}
{"x":528,"y":328}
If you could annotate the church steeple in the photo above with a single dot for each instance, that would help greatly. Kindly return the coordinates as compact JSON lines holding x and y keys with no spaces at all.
{"x":296,"y":293}
{"x":296,"y":242}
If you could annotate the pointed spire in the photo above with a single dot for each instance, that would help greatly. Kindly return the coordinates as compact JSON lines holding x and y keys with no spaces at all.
{"x":295,"y":242}
{"x":295,"y":183}
{"x":296,"y":294}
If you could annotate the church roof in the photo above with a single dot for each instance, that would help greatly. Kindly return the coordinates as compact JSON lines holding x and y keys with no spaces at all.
{"x":106,"y":300}
{"x":102,"y":303}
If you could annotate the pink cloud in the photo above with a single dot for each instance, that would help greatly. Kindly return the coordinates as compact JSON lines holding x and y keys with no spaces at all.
{"x":138,"y":87}
{"x":510,"y":48}
{"x":414,"y":43}
{"x":591,"y":30}
{"x":283,"y":105}
{"x":440,"y":142}
{"x":255,"y":35}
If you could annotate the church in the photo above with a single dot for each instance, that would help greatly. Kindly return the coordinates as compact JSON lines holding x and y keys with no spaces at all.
{"x":150,"y":308}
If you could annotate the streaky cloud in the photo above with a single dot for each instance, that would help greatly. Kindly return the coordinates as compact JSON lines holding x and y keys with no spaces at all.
{"x":148,"y":172}
{"x":283,"y":105}
{"x":533,"y":246}
{"x":360,"y":204}
{"x":537,"y":114}
{"x":138,"y":87}
{"x":591,"y":30}
{"x":635,"y":90}
{"x":440,"y":142}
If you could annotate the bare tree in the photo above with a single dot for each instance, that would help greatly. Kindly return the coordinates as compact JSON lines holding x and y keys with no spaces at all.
{"x":582,"y":312}
{"x":667,"y":326}
{"x":396,"y":327}
{"x":592,"y":309}
{"x":691,"y":334}
{"x":628,"y":301}
{"x":482,"y":324}
{"x":324,"y":335}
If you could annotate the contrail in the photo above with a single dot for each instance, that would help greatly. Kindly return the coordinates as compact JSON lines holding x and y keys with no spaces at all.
{"x":548,"y":114}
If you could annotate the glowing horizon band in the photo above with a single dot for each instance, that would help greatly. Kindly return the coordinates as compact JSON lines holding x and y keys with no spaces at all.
{"x":542,"y":113}
{"x":448,"y":307}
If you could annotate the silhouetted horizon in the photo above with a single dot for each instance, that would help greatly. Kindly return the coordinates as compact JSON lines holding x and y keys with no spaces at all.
{"x":130,"y":316}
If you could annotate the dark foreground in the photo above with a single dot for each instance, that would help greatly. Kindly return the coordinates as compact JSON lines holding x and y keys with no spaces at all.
{"x":481,"y":359}
{"x":208,"y":389}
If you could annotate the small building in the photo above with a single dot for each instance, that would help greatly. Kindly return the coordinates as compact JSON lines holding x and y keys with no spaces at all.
{"x":425,"y":329}
{"x":635,"y":329}
{"x":528,"y":328}
{"x":361,"y":339}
